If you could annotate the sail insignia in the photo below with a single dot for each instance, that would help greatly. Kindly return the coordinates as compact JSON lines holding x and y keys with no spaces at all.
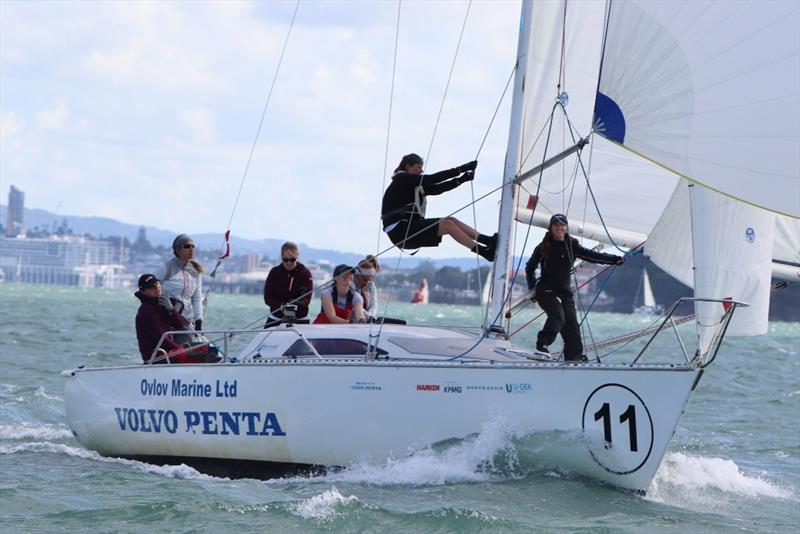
{"x":608,"y":119}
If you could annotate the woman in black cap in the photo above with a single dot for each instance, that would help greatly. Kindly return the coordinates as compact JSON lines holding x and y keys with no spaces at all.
{"x":340,"y":303}
{"x":182,"y":280}
{"x":553,"y":290}
{"x":403,"y":209}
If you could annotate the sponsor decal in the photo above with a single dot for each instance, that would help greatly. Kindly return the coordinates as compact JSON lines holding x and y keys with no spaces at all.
{"x":178,"y":388}
{"x":484,"y":388}
{"x":366,"y":386}
{"x":452,"y":387}
{"x":429,"y":387}
{"x":203,"y":422}
{"x":750,"y":235}
{"x":518,"y":388}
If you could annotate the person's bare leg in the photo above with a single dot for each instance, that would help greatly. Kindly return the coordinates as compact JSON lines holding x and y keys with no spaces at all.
{"x":448,"y":226}
{"x":473,"y":233}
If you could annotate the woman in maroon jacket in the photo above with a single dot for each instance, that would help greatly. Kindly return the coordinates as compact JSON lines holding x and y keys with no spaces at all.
{"x":288,"y":283}
{"x":156,"y":315}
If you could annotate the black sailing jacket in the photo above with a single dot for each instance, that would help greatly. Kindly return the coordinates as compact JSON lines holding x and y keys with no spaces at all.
{"x":557,"y":266}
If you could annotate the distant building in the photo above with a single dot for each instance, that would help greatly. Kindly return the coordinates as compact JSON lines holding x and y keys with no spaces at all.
{"x":74,"y":261}
{"x":16,"y":206}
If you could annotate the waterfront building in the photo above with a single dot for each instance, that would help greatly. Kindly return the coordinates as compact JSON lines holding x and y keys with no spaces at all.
{"x":15,"y":212}
{"x":56,"y":260}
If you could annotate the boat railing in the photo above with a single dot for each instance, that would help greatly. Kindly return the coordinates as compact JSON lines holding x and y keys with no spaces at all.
{"x":700,"y":358}
{"x":218,"y":336}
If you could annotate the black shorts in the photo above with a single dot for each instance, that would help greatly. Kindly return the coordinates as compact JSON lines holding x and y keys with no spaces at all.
{"x":421,"y":233}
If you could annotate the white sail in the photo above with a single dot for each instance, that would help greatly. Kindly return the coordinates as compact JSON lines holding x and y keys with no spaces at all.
{"x":681,"y":92}
{"x":647,"y":290}
{"x":709,"y":90}
{"x":733,"y":259}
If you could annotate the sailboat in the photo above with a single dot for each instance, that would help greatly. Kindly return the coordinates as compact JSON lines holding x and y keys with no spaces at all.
{"x":684,"y":117}
{"x":649,"y":306}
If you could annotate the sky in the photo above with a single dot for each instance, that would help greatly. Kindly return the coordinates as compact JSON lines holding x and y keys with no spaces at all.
{"x":146,"y":112}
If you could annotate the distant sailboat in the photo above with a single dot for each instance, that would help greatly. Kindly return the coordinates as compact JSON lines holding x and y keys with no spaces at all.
{"x":649,"y":306}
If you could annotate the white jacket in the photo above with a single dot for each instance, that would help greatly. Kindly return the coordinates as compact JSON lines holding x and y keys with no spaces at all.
{"x":184,"y":284}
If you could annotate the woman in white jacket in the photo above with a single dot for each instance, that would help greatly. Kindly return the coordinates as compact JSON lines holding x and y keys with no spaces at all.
{"x":182,"y":280}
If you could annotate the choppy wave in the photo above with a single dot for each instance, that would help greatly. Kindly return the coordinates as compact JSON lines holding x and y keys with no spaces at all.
{"x":489,"y":455}
{"x":32,"y":431}
{"x":169,"y":471}
{"x":323,"y":507}
{"x":695,"y":480}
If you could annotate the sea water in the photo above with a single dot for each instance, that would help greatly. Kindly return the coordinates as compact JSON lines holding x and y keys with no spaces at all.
{"x":733,"y":464}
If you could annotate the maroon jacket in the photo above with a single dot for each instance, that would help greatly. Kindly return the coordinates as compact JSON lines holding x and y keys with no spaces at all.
{"x":283,"y":286}
{"x":151,"y":323}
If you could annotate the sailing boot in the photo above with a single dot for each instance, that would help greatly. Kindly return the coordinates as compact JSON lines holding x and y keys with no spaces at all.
{"x":486,"y":252}
{"x":488,"y":240}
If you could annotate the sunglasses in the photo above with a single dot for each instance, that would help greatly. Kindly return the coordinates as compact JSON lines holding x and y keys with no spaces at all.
{"x":289,"y":260}
{"x":188,"y":245}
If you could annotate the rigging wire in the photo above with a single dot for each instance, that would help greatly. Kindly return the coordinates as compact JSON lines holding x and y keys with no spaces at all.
{"x":386,"y":154}
{"x":427,"y":155}
{"x":389,"y":120}
{"x":263,"y":114}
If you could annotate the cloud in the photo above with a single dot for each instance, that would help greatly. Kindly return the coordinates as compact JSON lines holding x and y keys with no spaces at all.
{"x":166,"y":98}
{"x":10,"y":125}
{"x":200,"y":122}
{"x":53,"y":119}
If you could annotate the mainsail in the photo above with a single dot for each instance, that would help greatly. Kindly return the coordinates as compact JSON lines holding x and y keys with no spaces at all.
{"x":673,"y":93}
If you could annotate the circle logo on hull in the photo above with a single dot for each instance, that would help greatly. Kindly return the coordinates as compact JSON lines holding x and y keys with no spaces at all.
{"x":619,"y":427}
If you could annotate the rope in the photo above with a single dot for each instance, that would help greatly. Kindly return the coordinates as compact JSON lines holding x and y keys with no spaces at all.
{"x":226,"y":243}
{"x":449,"y":77}
{"x":263,"y":114}
{"x":427,"y":155}
{"x":389,"y":120}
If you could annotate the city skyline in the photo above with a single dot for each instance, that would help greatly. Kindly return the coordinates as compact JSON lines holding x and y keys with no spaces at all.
{"x":147,"y":112}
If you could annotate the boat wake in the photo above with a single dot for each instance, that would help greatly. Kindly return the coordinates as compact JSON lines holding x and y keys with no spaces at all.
{"x":697,"y":481}
{"x":32,"y":431}
{"x":499,"y":452}
{"x":38,"y":447}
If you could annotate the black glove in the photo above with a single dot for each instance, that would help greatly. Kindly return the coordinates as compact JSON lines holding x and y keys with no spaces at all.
{"x":619,"y":260}
{"x":165,"y":304}
{"x":198,"y":325}
{"x":466,"y":177}
{"x":471,"y":166}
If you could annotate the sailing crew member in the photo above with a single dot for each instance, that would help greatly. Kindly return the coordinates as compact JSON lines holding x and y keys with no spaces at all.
{"x":288,"y":283}
{"x":182,"y":280}
{"x":556,"y":255}
{"x":364,"y":283}
{"x":340,"y":303}
{"x":155,"y":317}
{"x":403,"y":209}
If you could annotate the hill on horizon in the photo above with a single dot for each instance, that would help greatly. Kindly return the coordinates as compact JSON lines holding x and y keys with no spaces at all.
{"x":107,"y":227}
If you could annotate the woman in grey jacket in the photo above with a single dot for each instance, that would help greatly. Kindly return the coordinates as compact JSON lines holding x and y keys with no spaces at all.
{"x":182,"y":280}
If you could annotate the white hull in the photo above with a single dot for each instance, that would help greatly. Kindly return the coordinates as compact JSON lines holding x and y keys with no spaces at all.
{"x":336,"y":412}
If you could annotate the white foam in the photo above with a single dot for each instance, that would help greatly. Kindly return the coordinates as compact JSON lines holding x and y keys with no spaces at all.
{"x":684,"y":479}
{"x":40,"y":392}
{"x":322,"y":507}
{"x":170,"y":471}
{"x":31,"y":431}
{"x":471,"y":460}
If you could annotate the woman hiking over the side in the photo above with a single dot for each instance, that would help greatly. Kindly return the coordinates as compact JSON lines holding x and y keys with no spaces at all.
{"x":403,"y":209}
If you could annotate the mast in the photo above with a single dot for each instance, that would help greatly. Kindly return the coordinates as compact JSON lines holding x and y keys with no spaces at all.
{"x":505,"y":248}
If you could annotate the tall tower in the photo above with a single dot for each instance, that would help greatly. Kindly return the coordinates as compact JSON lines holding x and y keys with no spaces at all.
{"x":16,"y":205}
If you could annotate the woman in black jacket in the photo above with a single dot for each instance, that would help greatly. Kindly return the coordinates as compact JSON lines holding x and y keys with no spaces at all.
{"x":556,"y":254}
{"x":403,"y":209}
